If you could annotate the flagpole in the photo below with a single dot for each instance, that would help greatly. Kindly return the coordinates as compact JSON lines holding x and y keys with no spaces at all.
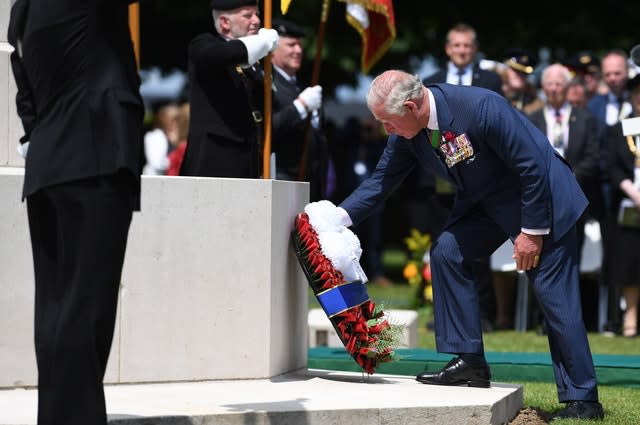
{"x":266,"y":153}
{"x":134,"y":28}
{"x":315,"y":78}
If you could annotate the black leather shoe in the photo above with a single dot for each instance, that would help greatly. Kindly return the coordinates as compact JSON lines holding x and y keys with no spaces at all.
{"x":458,"y":372}
{"x":580,"y":410}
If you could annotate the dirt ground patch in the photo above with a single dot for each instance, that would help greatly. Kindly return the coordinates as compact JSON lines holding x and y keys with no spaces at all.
{"x":529,"y":416}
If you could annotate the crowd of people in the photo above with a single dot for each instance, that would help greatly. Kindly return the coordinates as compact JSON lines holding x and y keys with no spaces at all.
{"x":488,"y":154}
{"x":576,"y":102}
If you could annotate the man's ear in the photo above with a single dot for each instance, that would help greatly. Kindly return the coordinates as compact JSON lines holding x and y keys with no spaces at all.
{"x":225,"y":22}
{"x":410,"y":105}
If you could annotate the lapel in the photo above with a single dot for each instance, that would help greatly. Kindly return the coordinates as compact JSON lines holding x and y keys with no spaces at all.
{"x":445,"y":123}
{"x":445,"y":116}
{"x":425,"y":148}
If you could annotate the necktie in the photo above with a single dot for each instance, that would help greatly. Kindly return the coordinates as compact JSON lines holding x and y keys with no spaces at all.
{"x":558,"y":133}
{"x":434,"y":138}
{"x":460,"y":74}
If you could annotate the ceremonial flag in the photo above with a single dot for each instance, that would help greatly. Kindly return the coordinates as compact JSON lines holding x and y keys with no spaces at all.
{"x":284,"y":6}
{"x":375,"y":22}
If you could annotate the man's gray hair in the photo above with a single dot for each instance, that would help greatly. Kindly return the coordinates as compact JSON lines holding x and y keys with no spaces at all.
{"x":392,"y":89}
{"x":557,"y":67}
{"x":216,"y":14}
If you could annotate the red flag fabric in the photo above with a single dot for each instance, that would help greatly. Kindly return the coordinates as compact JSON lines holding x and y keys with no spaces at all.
{"x":375,"y":21}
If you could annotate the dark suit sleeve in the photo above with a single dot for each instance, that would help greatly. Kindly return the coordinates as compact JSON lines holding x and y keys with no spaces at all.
{"x":619,"y":157}
{"x":514,"y":138}
{"x":586,"y":167}
{"x":24,"y":97}
{"x":285,"y":120}
{"x":208,"y":53}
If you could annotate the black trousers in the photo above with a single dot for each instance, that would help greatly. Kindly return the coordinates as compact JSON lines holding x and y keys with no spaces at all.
{"x":78,"y":235}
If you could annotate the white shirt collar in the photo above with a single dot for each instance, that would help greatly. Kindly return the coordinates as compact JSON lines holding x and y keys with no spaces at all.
{"x":452,"y":73}
{"x":286,"y":76}
{"x":433,"y":114}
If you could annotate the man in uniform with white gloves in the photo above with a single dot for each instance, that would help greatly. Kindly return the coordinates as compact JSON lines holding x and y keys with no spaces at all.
{"x":292,"y":107}
{"x":226,"y":93}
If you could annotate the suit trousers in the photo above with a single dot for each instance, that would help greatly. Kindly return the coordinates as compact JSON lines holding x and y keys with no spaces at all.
{"x":555,"y":283}
{"x":78,"y":235}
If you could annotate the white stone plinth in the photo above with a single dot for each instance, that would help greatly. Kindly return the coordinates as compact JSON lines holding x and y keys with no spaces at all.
{"x":211,"y":287}
{"x":322,"y":333}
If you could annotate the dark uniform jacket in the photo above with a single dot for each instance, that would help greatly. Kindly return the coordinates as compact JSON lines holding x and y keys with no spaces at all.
{"x":78,"y":93}
{"x":288,"y":134}
{"x":224,"y":101}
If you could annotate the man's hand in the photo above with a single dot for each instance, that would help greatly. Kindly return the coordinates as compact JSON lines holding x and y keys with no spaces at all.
{"x":526,"y":251}
{"x":22,"y":149}
{"x":311,"y":98}
{"x":260,"y":44}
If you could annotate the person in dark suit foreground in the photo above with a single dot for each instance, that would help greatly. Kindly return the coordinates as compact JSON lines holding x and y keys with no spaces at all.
{"x":510,"y":183}
{"x":78,"y":99}
{"x":226,"y":93}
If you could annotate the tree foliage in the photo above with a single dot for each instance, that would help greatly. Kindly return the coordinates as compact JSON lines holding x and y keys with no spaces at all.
{"x":168,"y":25}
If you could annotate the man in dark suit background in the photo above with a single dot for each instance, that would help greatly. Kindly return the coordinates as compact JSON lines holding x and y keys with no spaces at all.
{"x":80,"y":107}
{"x":226,"y":93}
{"x":510,"y":184}
{"x":431,"y":199}
{"x":292,"y":107}
{"x":609,"y":109}
{"x":573,"y":134}
{"x":463,"y":68}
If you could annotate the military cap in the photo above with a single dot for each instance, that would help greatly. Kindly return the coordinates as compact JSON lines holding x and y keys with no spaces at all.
{"x":521,"y":60}
{"x":231,"y":4}
{"x":584,"y":62}
{"x":287,"y":29}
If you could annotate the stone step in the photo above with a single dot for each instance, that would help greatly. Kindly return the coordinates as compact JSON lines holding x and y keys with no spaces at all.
{"x":304,"y":397}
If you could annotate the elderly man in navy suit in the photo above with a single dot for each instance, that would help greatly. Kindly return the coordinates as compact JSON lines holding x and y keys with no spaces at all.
{"x":510,"y":183}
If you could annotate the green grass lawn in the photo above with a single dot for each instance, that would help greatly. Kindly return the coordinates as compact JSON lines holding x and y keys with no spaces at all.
{"x":620,"y":403}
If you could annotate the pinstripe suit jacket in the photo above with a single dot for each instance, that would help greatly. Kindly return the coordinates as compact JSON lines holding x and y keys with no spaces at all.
{"x":513,"y":162}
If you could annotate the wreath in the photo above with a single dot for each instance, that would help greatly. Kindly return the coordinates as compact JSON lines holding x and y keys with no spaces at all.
{"x":329,"y":254}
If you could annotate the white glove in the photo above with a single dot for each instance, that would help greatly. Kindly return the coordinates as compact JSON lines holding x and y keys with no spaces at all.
{"x":311,"y":97}
{"x":272,"y":37}
{"x":260,"y":44}
{"x":324,"y":216}
{"x":22,"y":149}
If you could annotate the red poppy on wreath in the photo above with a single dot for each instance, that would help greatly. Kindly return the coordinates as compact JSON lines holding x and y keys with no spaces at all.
{"x":360,"y":324}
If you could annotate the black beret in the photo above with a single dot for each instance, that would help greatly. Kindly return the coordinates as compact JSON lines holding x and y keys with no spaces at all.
{"x":287,"y":29}
{"x":584,"y":62}
{"x":231,"y":4}
{"x":522,"y":60}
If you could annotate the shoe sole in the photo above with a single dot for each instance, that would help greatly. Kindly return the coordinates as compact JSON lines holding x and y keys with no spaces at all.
{"x":471,"y":383}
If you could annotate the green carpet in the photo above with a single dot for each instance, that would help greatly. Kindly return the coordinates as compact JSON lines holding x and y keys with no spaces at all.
{"x":617,"y":370}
